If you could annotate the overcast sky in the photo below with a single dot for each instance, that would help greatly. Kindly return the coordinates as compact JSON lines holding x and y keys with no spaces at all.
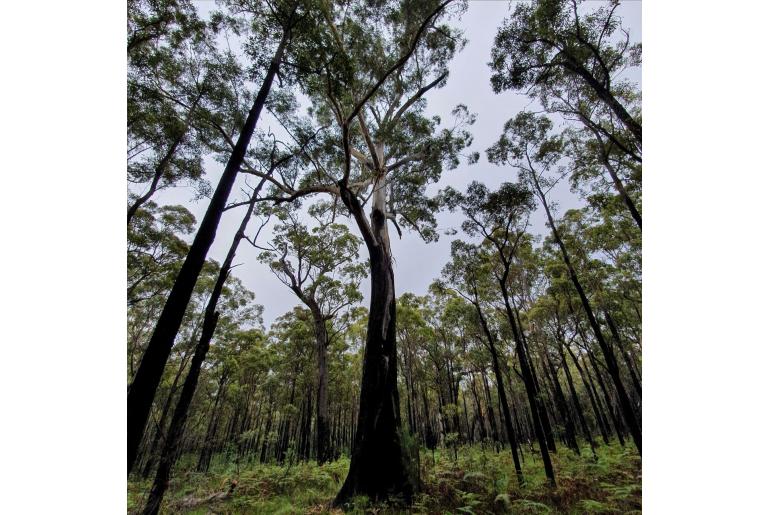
{"x":417,"y":264}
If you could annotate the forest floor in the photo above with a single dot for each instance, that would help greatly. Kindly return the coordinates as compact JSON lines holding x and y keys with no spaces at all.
{"x":479,"y":480}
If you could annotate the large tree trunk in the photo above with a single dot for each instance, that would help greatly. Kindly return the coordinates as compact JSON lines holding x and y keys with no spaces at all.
{"x":170,"y":448}
{"x":379,"y":465}
{"x":142,"y":390}
{"x":164,"y":414}
{"x":210,"y":318}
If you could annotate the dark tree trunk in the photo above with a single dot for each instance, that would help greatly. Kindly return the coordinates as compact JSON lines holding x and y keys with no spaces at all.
{"x":322,"y":401}
{"x":542,"y":410}
{"x":286,"y":420}
{"x":210,"y":318}
{"x":479,"y":415}
{"x":606,"y":96}
{"x":616,"y":336}
{"x":265,"y":439}
{"x":612,"y":366}
{"x":561,"y":403}
{"x":162,"y":422}
{"x":142,"y":389}
{"x":379,"y":465}
{"x":208,"y":443}
{"x":529,"y":385}
{"x":576,"y":400}
{"x":490,"y":411}
{"x":512,"y":441}
{"x":593,"y":398}
{"x":170,"y":448}
{"x":619,"y":185}
{"x":607,"y":398}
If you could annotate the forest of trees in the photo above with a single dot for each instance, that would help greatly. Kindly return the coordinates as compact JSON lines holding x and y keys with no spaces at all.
{"x":309,"y":118}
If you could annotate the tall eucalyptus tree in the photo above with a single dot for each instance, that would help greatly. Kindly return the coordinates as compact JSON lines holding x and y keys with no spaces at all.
{"x":373,"y":96}
{"x":319,"y":265}
{"x":527,"y":146}
{"x":278,"y":25}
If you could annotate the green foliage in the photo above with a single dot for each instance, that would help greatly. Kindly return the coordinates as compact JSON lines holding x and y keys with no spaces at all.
{"x":480,"y":482}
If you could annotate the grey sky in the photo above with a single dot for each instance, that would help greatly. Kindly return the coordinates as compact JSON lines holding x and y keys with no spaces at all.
{"x":417,"y":264}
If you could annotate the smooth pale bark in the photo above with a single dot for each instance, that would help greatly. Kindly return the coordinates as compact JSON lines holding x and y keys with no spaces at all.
{"x":142,"y":390}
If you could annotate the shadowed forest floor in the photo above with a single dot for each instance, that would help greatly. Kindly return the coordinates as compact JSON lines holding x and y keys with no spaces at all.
{"x":478,"y":481}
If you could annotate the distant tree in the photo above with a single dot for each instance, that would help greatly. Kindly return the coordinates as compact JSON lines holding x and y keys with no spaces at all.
{"x":282,"y":17}
{"x":527,"y":146}
{"x":155,"y":250}
{"x":469,"y":274}
{"x":549,"y":42}
{"x":501,"y":217}
{"x":319,"y":265}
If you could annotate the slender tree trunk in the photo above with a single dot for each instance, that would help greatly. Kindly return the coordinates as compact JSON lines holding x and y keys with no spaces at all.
{"x":322,"y":400}
{"x":160,"y":169}
{"x":529,"y":385}
{"x":479,"y":415}
{"x":210,"y":318}
{"x":266,"y":438}
{"x":170,"y":448}
{"x":619,"y":186}
{"x":606,"y":96}
{"x":607,"y":398}
{"x":616,"y":336}
{"x":576,"y":400}
{"x":612,"y":366}
{"x":162,"y":422}
{"x":204,"y":459}
{"x":561,"y":403}
{"x":491,"y":412}
{"x":512,"y":441}
{"x":593,"y":398}
{"x":142,"y":390}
